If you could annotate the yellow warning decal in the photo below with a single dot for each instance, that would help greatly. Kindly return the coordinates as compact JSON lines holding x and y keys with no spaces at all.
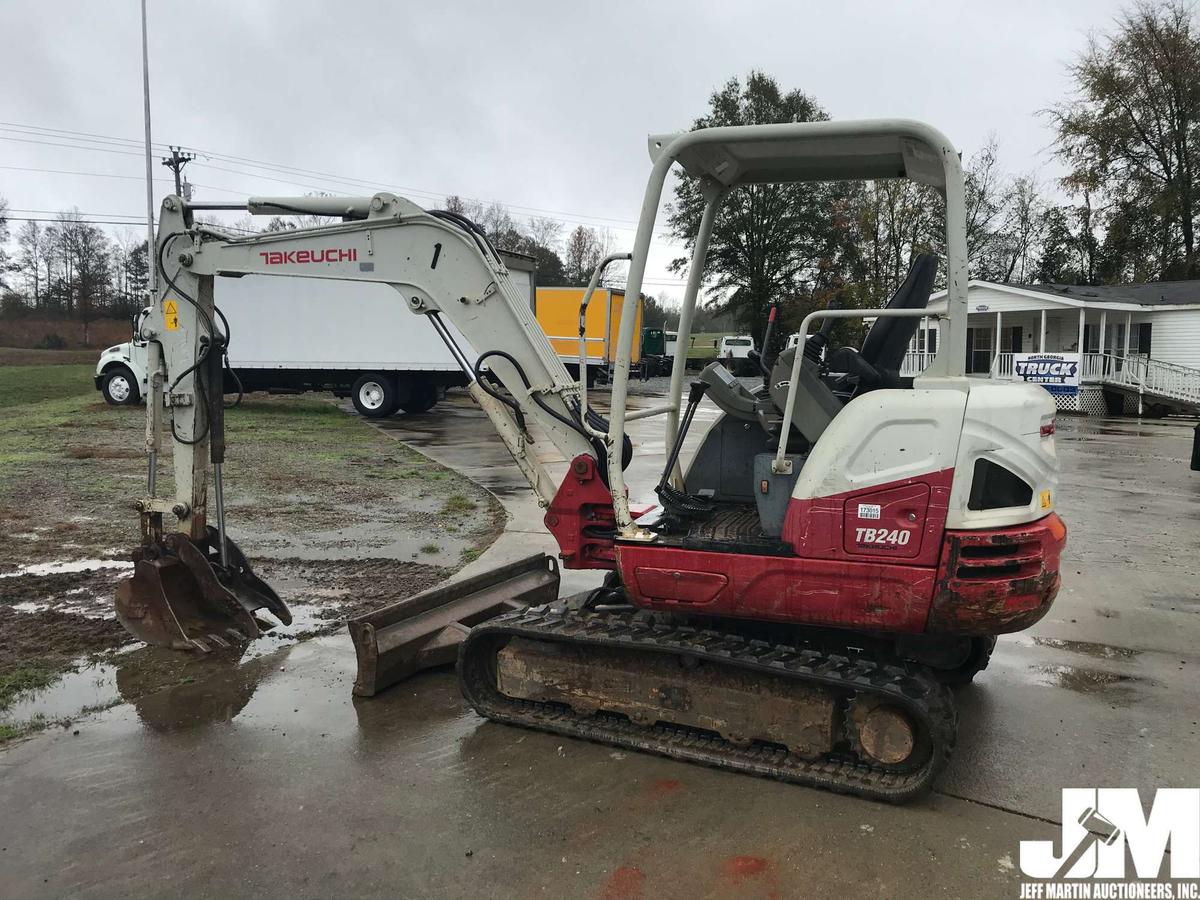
{"x":171,"y":314}
{"x":1045,"y":499}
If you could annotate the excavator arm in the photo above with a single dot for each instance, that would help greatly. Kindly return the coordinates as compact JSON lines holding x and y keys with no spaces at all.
{"x":192,"y":586}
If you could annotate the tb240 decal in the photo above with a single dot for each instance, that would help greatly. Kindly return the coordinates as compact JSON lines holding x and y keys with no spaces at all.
{"x":895,"y":537}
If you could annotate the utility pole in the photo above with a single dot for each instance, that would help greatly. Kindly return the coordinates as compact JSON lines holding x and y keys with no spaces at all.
{"x":175,"y":163}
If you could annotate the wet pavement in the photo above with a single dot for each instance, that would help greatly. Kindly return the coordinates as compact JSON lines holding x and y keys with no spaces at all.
{"x":264,"y":777}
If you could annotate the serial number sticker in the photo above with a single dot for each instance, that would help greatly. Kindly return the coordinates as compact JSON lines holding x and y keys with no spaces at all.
{"x":171,"y":314}
{"x":1045,"y":499}
{"x":869,"y":511}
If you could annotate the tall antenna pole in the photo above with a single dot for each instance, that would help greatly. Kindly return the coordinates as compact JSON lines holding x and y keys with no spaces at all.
{"x":152,"y":267}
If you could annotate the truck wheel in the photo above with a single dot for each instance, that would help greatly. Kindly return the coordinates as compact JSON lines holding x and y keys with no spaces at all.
{"x":421,"y":399}
{"x":374,"y":395}
{"x":120,"y":388}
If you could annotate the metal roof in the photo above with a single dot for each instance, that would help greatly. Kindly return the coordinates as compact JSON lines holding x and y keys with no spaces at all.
{"x":1155,"y":293}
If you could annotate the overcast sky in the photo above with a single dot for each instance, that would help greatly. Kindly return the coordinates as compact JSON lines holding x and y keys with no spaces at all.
{"x":544,"y":106}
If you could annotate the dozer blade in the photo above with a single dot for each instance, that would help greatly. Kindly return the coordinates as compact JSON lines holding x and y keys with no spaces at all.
{"x":424,"y":630}
{"x":180,"y":596}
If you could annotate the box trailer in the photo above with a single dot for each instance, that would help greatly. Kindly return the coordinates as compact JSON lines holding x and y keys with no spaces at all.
{"x":557,"y":311}
{"x":290,"y":335}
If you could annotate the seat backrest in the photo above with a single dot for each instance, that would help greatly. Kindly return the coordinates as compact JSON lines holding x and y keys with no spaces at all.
{"x":888,"y":339}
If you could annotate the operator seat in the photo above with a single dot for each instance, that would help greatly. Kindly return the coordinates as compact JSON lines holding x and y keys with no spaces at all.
{"x":877,"y":364}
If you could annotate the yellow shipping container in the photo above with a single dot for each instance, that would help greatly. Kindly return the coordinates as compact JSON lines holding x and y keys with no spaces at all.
{"x":557,"y":311}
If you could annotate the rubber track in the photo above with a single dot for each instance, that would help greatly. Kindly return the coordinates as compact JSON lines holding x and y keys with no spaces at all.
{"x":929,"y":703}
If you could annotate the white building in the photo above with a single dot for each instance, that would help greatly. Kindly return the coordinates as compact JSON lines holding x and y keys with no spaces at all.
{"x":1135,"y":347}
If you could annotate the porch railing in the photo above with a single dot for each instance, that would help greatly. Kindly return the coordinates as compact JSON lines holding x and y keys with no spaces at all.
{"x":1148,"y":376}
{"x":915,"y":362}
{"x":1139,"y":373}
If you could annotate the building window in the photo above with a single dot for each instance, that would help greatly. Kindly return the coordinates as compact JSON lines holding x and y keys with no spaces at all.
{"x":1139,"y":339}
{"x":925,"y":340}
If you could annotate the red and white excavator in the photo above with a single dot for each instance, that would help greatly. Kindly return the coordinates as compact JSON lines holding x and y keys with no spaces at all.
{"x":843,"y":545}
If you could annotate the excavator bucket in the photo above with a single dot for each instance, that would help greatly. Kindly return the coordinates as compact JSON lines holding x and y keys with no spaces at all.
{"x":424,"y":630}
{"x":181,"y":596}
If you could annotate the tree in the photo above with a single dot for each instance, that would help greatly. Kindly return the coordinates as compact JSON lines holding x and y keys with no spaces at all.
{"x":31,"y":256}
{"x":1131,"y":135}
{"x":769,"y":241}
{"x":1018,"y":236}
{"x":3,"y":240}
{"x":86,"y":250}
{"x":585,"y":248}
{"x":659,"y":312}
{"x":545,"y":232}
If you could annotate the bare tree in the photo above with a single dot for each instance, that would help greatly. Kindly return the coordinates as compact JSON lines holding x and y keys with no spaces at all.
{"x":31,"y":258}
{"x":1021,"y":231}
{"x":545,"y":232}
{"x":3,"y":239}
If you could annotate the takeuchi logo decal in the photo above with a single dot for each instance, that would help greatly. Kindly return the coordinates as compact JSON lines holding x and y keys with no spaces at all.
{"x":285,"y":257}
{"x":1109,"y":837}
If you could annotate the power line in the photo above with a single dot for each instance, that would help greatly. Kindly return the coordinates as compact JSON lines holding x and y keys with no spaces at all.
{"x":69,"y":146}
{"x":57,"y":221}
{"x":572,"y":218}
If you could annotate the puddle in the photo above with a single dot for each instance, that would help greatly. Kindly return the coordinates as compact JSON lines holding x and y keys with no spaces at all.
{"x":67,"y":567}
{"x":170,"y":691}
{"x":1111,"y":685}
{"x":1096,"y":651}
{"x":93,"y":687}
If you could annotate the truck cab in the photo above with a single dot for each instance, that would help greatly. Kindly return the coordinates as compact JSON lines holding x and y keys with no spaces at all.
{"x":121,"y":370}
{"x":734,"y":352}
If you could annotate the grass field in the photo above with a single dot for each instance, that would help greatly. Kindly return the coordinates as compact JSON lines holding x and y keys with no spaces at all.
{"x":21,"y":385}
{"x":338,"y":516}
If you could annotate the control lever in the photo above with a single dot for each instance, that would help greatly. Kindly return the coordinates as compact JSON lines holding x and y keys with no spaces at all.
{"x":763,"y":358}
{"x":674,"y":500}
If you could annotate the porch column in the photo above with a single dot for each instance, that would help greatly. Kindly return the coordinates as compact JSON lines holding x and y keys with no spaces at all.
{"x":1079,"y":345}
{"x":996,"y":347}
{"x":1103,"y":322}
{"x":1042,"y":334}
{"x":1128,"y":328}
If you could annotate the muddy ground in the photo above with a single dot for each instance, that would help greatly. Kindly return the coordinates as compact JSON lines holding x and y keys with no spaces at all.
{"x":336,"y":516}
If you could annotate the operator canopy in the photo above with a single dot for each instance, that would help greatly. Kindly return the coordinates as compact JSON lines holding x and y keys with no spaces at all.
{"x":810,"y":151}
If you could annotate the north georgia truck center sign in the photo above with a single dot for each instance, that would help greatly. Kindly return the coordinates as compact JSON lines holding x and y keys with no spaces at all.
{"x":1056,"y":372}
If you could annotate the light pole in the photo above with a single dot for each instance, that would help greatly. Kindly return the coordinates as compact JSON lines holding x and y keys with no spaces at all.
{"x":151,"y":258}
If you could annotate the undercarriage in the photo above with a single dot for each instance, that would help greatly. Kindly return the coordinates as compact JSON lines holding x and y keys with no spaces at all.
{"x":847,"y":718}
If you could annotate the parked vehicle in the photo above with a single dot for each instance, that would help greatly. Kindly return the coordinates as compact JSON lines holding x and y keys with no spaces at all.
{"x":284,"y":339}
{"x":734,"y":352}
{"x":557,"y":311}
{"x":655,"y":358}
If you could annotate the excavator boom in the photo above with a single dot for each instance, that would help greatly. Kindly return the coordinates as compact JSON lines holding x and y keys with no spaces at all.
{"x":192,"y":586}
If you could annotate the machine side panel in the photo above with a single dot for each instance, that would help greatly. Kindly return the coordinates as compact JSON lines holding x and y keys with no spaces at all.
{"x":778,"y":588}
{"x":1010,"y":426}
{"x":884,"y":437}
{"x":901,"y":520}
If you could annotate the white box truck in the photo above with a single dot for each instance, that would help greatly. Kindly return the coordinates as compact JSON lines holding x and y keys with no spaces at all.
{"x":310,"y":334}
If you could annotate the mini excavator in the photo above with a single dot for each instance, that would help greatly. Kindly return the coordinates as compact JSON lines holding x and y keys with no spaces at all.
{"x":844,"y":545}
